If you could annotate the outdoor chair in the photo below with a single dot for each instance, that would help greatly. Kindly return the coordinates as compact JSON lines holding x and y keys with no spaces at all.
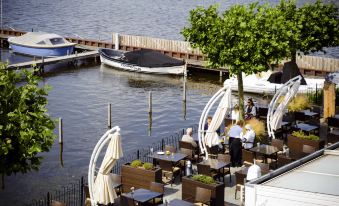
{"x":206,"y":170}
{"x":332,"y":122}
{"x":247,"y":157}
{"x":225,"y":171}
{"x":278,"y":144}
{"x":87,"y":196}
{"x":299,"y":117}
{"x":57,"y":203}
{"x":213,"y":151}
{"x":169,"y":172}
{"x":117,"y":180}
{"x":170,"y":148}
{"x":283,"y":160}
{"x":157,"y":187}
{"x":239,"y":182}
{"x":265,"y":168}
{"x":262,"y":113}
{"x":202,"y":196}
{"x":126,"y":201}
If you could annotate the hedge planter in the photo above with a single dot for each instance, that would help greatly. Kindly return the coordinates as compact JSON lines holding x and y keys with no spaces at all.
{"x":138,"y":177}
{"x":189,"y":187}
{"x":295,"y":144}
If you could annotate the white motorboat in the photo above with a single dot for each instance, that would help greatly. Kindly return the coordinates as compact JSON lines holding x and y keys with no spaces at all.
{"x":144,"y":61}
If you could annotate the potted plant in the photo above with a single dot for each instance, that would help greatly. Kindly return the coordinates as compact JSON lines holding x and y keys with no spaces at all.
{"x":139,"y":175}
{"x":299,"y":103}
{"x":259,"y":129}
{"x":297,"y":139}
{"x":190,"y":183}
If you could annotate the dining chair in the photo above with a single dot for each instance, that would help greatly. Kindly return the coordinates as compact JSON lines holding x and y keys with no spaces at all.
{"x":202,"y":196}
{"x":87,"y":196}
{"x":278,"y":144}
{"x":117,"y":180}
{"x":247,"y":157}
{"x":170,"y":148}
{"x":57,"y":203}
{"x":239,"y":182}
{"x":206,"y":170}
{"x":157,"y":187}
{"x":126,"y":201}
{"x":213,"y":151}
{"x":283,"y":160}
{"x":299,"y":116}
{"x":225,"y":171}
{"x":168,"y":171}
{"x":263,"y":166}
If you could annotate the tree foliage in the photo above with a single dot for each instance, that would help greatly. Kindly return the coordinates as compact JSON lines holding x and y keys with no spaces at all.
{"x":311,"y":27}
{"x":243,"y":38}
{"x":25,"y":127}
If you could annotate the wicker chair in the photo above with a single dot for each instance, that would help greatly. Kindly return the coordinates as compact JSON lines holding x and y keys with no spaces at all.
{"x":247,"y":157}
{"x":206,"y":170}
{"x":157,"y":187}
{"x":169,"y":172}
{"x":225,"y":171}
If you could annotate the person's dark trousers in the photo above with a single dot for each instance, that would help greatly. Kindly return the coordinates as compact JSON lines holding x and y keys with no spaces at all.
{"x":235,"y":152}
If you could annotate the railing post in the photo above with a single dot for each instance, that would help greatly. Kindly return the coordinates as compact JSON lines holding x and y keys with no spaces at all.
{"x":138,"y":154}
{"x":162,"y":144}
{"x":109,"y":117}
{"x":48,"y":199}
{"x":82,"y":191}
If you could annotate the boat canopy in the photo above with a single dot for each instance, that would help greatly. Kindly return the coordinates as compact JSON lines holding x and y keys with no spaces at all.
{"x":150,"y":58}
{"x":290,"y":70}
{"x":40,"y":39}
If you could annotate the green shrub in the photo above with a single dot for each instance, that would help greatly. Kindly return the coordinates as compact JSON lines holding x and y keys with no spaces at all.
{"x":300,"y":102}
{"x":136,"y":163}
{"x":148,"y":166}
{"x":204,"y":179}
{"x":302,"y":135}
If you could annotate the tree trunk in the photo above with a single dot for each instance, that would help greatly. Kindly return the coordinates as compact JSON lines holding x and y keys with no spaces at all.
{"x":294,"y":56}
{"x":241,"y":96}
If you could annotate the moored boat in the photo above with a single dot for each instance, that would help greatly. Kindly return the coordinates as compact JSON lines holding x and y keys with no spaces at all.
{"x":41,"y":44}
{"x":144,"y":61}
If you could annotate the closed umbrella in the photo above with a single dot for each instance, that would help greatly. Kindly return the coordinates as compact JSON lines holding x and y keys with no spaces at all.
{"x":279,"y":112}
{"x":104,"y":192}
{"x":218,"y":117}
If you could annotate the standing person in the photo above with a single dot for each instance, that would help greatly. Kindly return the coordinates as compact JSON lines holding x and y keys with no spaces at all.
{"x":235,"y":143}
{"x":235,"y":116}
{"x":248,"y":137}
{"x":250,"y":110}
{"x":188,"y":137}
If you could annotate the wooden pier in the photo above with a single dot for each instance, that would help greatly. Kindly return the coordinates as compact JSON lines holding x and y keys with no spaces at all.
{"x":311,"y":65}
{"x":53,"y":60}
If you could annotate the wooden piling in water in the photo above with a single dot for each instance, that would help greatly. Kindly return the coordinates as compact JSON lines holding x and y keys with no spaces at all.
{"x":150,"y":102}
{"x":109,"y":117}
{"x":61,"y":136}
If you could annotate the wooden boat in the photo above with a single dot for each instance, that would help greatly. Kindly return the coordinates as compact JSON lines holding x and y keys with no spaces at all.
{"x":41,"y":44}
{"x":144,"y":61}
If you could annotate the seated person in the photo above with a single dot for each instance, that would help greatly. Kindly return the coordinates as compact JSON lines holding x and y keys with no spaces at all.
{"x":235,"y":113}
{"x":188,"y":137}
{"x":209,"y":120}
{"x":248,"y":137}
{"x":250,"y":110}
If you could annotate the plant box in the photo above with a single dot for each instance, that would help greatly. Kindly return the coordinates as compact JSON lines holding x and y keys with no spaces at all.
{"x":138,"y":177}
{"x":189,"y":187}
{"x":295,"y":144}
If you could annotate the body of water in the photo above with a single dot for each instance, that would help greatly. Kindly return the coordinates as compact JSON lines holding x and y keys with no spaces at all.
{"x":80,"y":95}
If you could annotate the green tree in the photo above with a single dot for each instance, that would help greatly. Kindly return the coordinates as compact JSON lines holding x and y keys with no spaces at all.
{"x":25,"y":127}
{"x":243,"y":38}
{"x":310,"y":27}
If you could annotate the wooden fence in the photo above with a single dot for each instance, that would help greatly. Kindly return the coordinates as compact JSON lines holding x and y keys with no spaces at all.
{"x":316,"y":63}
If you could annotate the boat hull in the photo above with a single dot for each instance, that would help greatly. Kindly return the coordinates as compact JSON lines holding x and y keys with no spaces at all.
{"x":175,"y":70}
{"x":46,"y":52}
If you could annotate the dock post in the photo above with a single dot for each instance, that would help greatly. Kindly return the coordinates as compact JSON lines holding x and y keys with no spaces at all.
{"x":116,"y":43}
{"x":150,"y":102}
{"x":61,"y":136}
{"x":184,"y":98}
{"x":220,"y":73}
{"x":42,"y":65}
{"x":109,"y":111}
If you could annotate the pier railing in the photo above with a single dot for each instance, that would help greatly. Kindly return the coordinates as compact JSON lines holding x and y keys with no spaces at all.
{"x":73,"y":193}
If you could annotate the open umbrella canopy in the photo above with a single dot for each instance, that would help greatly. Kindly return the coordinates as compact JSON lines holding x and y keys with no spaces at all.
{"x":104,"y":192}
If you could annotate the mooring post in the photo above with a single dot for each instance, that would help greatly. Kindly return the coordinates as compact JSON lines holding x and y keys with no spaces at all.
{"x":61,"y":138}
{"x":109,"y":116}
{"x":116,"y":42}
{"x":185,"y":68}
{"x":184,"y":90}
{"x":220,"y":73}
{"x":150,"y":102}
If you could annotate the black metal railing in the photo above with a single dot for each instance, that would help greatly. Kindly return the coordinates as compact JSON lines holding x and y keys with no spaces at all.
{"x":73,"y":194}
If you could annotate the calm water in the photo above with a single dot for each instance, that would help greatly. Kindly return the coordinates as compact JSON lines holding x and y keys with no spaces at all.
{"x":80,"y":95}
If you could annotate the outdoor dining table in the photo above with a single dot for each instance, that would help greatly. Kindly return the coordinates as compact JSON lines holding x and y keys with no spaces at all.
{"x":307,"y":127}
{"x":178,"y":202}
{"x":215,"y":164}
{"x":143,"y":195}
{"x":308,"y":113}
{"x":173,"y":157}
{"x":265,"y":150}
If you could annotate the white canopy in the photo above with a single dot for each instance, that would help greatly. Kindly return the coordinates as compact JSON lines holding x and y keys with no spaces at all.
{"x":275,"y":114}
{"x":101,"y":190}
{"x":218,"y":117}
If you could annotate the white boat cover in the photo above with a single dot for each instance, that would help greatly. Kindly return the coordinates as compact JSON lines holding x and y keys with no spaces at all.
{"x":39,"y":39}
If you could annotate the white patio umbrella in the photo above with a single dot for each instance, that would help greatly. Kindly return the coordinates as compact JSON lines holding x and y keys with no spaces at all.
{"x":275,"y":114}
{"x":101,"y":186}
{"x":217,"y":119}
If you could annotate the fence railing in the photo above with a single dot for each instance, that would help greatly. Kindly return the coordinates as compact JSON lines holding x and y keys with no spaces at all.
{"x":73,"y":193}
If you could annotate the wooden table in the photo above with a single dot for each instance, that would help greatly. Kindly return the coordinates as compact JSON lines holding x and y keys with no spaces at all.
{"x":306,"y":127}
{"x":174,"y":157}
{"x":177,"y":202}
{"x":265,"y":150}
{"x":143,"y":195}
{"x":215,"y":164}
{"x":308,"y":113}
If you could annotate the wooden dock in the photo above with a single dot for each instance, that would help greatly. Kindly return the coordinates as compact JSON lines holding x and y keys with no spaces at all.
{"x":53,"y":60}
